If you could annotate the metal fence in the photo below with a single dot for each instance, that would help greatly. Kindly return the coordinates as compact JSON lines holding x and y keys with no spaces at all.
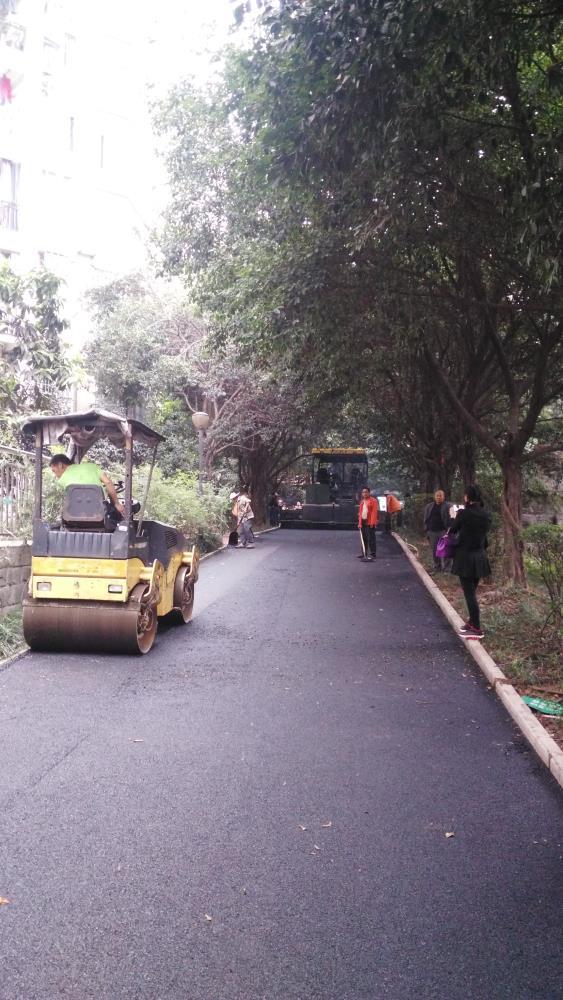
{"x":16,"y":488}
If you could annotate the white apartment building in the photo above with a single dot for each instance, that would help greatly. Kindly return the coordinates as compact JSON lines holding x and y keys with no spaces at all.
{"x":77,"y":169}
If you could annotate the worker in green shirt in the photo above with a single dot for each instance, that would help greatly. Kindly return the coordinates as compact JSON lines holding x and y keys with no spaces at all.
{"x":87,"y":473}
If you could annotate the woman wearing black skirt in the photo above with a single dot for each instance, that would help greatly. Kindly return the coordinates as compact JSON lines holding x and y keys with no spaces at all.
{"x":470,"y":560}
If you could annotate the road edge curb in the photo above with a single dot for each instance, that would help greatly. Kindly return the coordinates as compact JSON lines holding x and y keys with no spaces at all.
{"x":13,"y":657}
{"x":263,"y":531}
{"x":544,"y":745}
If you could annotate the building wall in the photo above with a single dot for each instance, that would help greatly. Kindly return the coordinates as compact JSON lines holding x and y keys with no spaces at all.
{"x":77,"y":171}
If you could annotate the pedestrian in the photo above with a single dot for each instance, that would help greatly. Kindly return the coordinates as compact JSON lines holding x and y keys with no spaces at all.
{"x":274,"y":509}
{"x":392,"y":506}
{"x":245,"y":517}
{"x":470,"y":560}
{"x":233,"y":534}
{"x":367,"y":520}
{"x":246,"y":491}
{"x":436,"y":523}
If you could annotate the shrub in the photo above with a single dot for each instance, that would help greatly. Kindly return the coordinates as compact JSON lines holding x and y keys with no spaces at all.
{"x":414,"y":511}
{"x":544,"y":544}
{"x":176,"y":500}
{"x":11,"y":634}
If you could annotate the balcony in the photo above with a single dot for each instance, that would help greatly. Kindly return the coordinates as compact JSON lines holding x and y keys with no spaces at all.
{"x":8,"y":215}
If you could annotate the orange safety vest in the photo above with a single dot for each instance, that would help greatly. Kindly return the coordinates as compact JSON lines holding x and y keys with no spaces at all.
{"x":393,"y":505}
{"x":373,"y":510}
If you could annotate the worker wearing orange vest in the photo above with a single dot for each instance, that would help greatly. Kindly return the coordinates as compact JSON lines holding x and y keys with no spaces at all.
{"x":393,"y":507}
{"x":367,"y":520}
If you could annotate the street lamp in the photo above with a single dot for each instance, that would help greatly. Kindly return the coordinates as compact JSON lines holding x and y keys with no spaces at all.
{"x":200,"y":420}
{"x":8,"y":344}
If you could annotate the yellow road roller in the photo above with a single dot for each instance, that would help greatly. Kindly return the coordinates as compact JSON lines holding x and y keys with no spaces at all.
{"x":101,"y":582}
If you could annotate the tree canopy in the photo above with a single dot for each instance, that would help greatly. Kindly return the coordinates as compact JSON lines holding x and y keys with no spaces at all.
{"x":32,"y":378}
{"x":371,"y":195}
{"x":150,"y":352}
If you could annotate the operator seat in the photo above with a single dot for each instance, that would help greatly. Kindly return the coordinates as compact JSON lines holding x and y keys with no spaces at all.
{"x":84,"y":508}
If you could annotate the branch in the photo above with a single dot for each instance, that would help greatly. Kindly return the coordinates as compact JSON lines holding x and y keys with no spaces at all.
{"x":542,"y":449}
{"x":467,"y":417}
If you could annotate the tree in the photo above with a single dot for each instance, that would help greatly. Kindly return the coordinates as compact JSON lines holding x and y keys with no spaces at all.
{"x":257,"y":418}
{"x":402,"y":152}
{"x":149,"y":350}
{"x":36,"y":373}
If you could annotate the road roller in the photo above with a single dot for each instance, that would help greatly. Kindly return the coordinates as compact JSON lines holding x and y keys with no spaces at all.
{"x":100,"y":582}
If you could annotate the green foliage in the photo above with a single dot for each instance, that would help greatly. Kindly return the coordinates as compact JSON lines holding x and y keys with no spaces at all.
{"x":52,"y":505}
{"x":544,"y":543}
{"x":36,"y":373}
{"x":414,"y":511}
{"x":175,"y":500}
{"x":11,"y":634}
{"x":372,"y":193}
{"x":150,"y":353}
{"x":133,"y":327}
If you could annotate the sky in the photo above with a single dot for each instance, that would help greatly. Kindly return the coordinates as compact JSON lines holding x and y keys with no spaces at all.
{"x":184,"y":33}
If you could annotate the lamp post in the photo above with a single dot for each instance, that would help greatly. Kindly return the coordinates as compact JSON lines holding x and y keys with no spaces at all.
{"x":8,"y":345}
{"x":200,"y":420}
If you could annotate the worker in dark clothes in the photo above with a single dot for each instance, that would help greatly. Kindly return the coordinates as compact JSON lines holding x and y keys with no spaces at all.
{"x":470,"y":561}
{"x":436,"y":523}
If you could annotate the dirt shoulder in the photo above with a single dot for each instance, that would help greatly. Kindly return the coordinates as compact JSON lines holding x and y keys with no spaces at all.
{"x":513,"y":620}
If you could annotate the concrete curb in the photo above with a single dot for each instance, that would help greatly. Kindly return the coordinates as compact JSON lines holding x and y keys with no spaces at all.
{"x":222,"y":548}
{"x":12,"y":659}
{"x":545,"y":746}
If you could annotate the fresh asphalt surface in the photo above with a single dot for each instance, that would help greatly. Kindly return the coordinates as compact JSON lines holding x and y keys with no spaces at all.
{"x":259,"y":807}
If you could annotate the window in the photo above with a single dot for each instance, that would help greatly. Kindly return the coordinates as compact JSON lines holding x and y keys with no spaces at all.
{"x":69,"y":51}
{"x":9,"y":178}
{"x":50,"y":56}
{"x":9,"y":182}
{"x":50,"y":65}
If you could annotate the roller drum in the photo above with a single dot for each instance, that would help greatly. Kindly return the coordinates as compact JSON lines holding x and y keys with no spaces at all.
{"x":91,"y":626}
{"x":184,"y":590}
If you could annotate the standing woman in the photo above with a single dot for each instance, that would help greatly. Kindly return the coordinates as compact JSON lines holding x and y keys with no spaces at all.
{"x":470,"y":560}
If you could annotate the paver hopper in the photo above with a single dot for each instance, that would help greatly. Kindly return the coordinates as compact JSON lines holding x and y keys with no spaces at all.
{"x":332,"y":492}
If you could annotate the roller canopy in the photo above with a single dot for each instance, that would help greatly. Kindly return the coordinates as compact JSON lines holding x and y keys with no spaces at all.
{"x":86,"y":428}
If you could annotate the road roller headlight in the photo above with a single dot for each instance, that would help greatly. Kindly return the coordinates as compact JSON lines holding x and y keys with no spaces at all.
{"x":115,"y":588}
{"x":43,"y":585}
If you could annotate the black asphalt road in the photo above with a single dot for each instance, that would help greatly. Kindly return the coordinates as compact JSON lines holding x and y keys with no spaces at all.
{"x":259,"y":809}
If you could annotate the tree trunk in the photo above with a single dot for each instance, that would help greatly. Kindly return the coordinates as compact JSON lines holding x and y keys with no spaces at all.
{"x":428,"y":479}
{"x":467,"y":461}
{"x":254,"y":473}
{"x":512,"y":520}
{"x":446,"y":477}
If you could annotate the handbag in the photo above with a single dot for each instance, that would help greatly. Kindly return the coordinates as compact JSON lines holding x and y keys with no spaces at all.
{"x":445,"y":546}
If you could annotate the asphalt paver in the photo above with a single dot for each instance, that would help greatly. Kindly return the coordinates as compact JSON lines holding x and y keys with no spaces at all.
{"x":308,"y":793}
